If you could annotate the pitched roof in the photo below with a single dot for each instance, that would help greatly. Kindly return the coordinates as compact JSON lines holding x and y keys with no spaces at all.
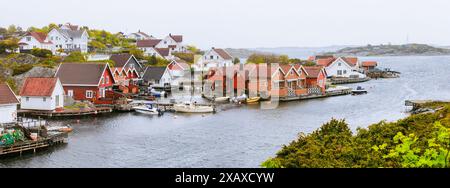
{"x":369,"y":63}
{"x":351,"y":60}
{"x":222,"y":53}
{"x":81,"y":73}
{"x":313,"y":71}
{"x":182,"y":63}
{"x":120,"y":59}
{"x":177,"y":38}
{"x":148,"y":43}
{"x":325,"y":62}
{"x":71,"y":33}
{"x":39,"y":36}
{"x":163,"y":51}
{"x":7,"y":96}
{"x":153,"y":73}
{"x":38,"y":87}
{"x":143,"y":34}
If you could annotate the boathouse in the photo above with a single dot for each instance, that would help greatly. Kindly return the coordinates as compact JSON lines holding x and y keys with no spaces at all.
{"x":157,"y":76}
{"x":8,"y":104}
{"x":86,"y":81}
{"x":42,"y":94}
{"x":316,"y":79}
{"x":369,"y":65}
{"x":127,"y":69}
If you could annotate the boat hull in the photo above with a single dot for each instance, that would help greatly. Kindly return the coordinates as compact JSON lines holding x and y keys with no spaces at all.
{"x":196,"y":109}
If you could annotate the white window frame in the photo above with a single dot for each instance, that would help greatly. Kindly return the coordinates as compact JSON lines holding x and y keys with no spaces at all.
{"x":89,"y":94}
{"x":70,"y":93}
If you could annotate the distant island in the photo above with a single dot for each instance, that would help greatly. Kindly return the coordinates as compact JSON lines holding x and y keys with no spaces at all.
{"x":244,"y":53}
{"x":392,"y":50}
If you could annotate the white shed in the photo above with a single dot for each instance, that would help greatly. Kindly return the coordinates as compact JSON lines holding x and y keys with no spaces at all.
{"x":8,"y":104}
{"x":42,"y":94}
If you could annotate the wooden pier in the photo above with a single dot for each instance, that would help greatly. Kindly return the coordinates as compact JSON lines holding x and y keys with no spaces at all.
{"x":348,"y":80}
{"x":20,"y":147}
{"x":65,"y":113}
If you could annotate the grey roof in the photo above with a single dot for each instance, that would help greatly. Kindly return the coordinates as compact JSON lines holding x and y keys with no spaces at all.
{"x":153,"y":73}
{"x":71,"y":33}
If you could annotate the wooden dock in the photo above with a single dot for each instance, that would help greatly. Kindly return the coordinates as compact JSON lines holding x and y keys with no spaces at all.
{"x":65,"y":113}
{"x":348,"y":80}
{"x":20,"y":147}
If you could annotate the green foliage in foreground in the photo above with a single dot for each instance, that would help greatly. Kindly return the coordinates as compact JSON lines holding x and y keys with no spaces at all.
{"x":421,"y":140}
{"x":75,"y":57}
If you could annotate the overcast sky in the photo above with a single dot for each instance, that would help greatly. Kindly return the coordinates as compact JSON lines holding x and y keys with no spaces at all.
{"x":249,"y":23}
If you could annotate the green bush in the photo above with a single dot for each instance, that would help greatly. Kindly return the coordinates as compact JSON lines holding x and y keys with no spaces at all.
{"x":75,"y":57}
{"x":44,"y":53}
{"x":426,"y":144}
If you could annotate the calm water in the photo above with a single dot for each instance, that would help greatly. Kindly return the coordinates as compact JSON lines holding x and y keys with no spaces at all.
{"x":237,"y":136}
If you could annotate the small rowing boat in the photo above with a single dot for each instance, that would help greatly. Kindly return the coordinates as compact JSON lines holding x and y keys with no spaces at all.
{"x":252,"y":100}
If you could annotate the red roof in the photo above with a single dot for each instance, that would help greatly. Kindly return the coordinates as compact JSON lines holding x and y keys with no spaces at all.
{"x":177,"y":38}
{"x":369,"y":63}
{"x":325,"y":62}
{"x":222,"y":53}
{"x":38,"y":87}
{"x":351,"y":60}
{"x":313,"y":71}
{"x":7,"y":96}
{"x":39,"y":36}
{"x":163,"y":51}
{"x":147,"y":43}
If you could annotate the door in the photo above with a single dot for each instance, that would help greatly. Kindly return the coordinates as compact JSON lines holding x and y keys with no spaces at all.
{"x":70,"y":93}
{"x":57,"y":101}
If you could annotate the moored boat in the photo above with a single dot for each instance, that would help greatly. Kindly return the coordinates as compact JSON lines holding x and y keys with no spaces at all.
{"x":147,"y":108}
{"x":252,"y":100}
{"x":359,"y":90}
{"x":193,"y":108}
{"x":221,"y":99}
{"x":65,"y":128}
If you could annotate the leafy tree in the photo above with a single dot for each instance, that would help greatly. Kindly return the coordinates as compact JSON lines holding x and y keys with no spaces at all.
{"x":9,"y":45}
{"x":75,"y":57}
{"x":194,"y":50}
{"x":236,"y":61}
{"x":434,"y":154}
{"x":188,"y":57}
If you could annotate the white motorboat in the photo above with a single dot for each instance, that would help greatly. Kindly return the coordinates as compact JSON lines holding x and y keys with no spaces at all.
{"x":240,"y":99}
{"x":147,"y":108}
{"x":359,"y":90}
{"x":193,"y":108}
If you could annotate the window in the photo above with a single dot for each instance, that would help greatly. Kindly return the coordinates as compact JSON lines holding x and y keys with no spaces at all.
{"x":339,"y":64}
{"x":103,"y":81}
{"x":107,"y":79}
{"x":28,"y":99}
{"x":212,"y":57}
{"x":339,"y":72}
{"x":28,"y":38}
{"x":70,"y":93}
{"x":89,"y":94}
{"x":44,"y":99}
{"x":345,"y":71}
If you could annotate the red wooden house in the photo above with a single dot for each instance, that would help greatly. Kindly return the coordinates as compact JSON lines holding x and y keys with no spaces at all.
{"x":316,"y":78}
{"x":227,"y":80}
{"x":369,"y":65}
{"x":86,"y":81}
{"x":127,"y":70}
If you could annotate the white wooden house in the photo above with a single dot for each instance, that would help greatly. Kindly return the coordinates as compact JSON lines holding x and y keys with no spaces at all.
{"x":35,"y":40}
{"x":8,"y":104}
{"x":42,"y":94}
{"x":174,"y":42}
{"x":69,"y":39}
{"x":341,"y":67}
{"x":214,"y":58}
